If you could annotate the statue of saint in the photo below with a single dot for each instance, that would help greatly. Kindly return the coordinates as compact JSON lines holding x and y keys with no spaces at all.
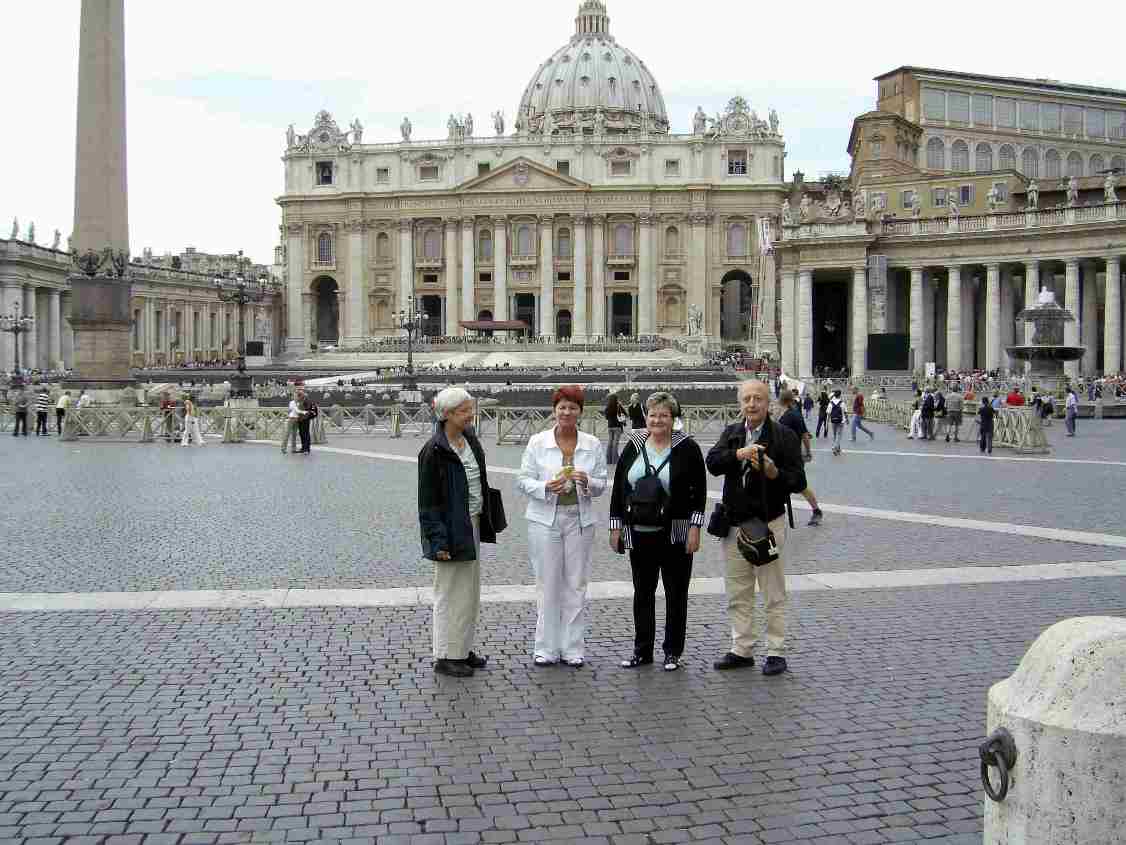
{"x":1033,"y":195}
{"x":58,"y":239}
{"x":357,"y":131}
{"x":695,"y":320}
{"x":805,"y":208}
{"x":787,"y":213}
{"x":498,"y":122}
{"x":290,"y":137}
{"x":699,"y":122}
{"x":992,"y":198}
{"x":15,"y":236}
{"x":599,"y":122}
{"x":1073,"y":191}
{"x":454,"y":127}
{"x":773,"y":122}
{"x":952,"y":202}
{"x":30,"y":233}
{"x":468,"y":126}
{"x":405,"y":128}
{"x":717,"y":125}
{"x":1110,"y":187}
{"x":859,"y":211}
{"x":548,"y":125}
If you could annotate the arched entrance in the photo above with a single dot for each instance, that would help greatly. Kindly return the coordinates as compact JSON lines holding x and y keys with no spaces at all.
{"x":326,"y":311}
{"x":621,"y":314}
{"x":830,"y":322}
{"x":431,"y":308}
{"x":485,"y":316}
{"x":737,"y":307}
{"x":563,"y":325}
{"x":525,"y":311}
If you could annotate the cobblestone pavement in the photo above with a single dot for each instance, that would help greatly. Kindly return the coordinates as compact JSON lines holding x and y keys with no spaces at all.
{"x":324,"y":724}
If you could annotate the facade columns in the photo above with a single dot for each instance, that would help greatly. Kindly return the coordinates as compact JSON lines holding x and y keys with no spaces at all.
{"x":406,"y":263}
{"x":1008,"y":313}
{"x":805,"y":323}
{"x":29,"y":355}
{"x":468,"y":271}
{"x":859,"y":321}
{"x":954,"y":318}
{"x":579,"y":330}
{"x":54,"y":329}
{"x":1071,"y":302}
{"x":1031,"y":295}
{"x":992,"y":316}
{"x":295,"y":284}
{"x":354,"y":334}
{"x":500,"y":268}
{"x":1089,"y":323}
{"x":698,"y":268}
{"x":67,"y":353}
{"x":1112,"y":318}
{"x":916,"y":336}
{"x":646,"y":292}
{"x":547,"y":275}
{"x":598,"y":280}
{"x":8,"y":298}
{"x":450,"y":253}
{"x":789,"y":323}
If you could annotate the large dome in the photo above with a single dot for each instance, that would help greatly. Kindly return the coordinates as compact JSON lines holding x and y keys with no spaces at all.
{"x":592,"y":84}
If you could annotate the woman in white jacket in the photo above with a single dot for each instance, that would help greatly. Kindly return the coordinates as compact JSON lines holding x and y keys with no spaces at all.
{"x":562,"y":472}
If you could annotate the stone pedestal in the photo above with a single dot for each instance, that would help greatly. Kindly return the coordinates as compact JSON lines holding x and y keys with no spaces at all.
{"x":1064,"y":707}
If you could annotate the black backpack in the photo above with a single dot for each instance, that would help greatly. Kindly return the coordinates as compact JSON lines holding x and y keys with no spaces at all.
{"x":836,"y":415}
{"x":648,"y":504}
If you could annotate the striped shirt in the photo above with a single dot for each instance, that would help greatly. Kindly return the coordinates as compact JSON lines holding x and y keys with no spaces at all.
{"x":472,"y":476}
{"x":43,"y":402}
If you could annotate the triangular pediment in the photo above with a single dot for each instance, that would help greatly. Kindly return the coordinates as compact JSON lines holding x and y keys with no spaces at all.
{"x":522,"y":174}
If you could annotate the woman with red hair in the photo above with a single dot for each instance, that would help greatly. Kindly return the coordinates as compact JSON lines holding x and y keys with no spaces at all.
{"x":562,"y":472}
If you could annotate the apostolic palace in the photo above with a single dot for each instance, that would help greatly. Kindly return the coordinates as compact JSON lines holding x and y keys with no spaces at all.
{"x":591,"y":213}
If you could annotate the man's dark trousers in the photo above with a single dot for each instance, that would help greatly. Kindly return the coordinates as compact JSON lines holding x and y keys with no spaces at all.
{"x":21,"y":421}
{"x":41,"y":424}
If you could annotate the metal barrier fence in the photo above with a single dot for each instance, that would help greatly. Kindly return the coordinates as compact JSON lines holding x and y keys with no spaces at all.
{"x":1016,"y":428}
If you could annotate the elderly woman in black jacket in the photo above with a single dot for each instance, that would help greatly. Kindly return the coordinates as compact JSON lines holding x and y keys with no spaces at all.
{"x":453,"y":514}
{"x":659,"y":547}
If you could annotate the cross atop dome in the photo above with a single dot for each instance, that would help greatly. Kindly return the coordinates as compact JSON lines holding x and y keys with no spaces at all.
{"x":592,"y":19}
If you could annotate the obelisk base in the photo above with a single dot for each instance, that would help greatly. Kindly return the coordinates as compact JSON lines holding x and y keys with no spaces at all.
{"x":102,"y":322}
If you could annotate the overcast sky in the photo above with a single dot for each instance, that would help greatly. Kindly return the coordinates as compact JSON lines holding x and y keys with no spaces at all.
{"x":212,"y":85}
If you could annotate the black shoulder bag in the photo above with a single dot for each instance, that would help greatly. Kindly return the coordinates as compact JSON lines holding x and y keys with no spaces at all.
{"x":647,"y":506}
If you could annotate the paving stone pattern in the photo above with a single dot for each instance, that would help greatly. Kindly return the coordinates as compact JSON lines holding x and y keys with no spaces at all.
{"x":328,"y":725}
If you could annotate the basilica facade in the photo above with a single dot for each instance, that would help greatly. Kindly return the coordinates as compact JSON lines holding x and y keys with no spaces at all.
{"x":587,"y":218}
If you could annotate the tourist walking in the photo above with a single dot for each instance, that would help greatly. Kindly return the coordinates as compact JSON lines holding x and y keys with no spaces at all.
{"x":167,"y":417}
{"x":636,"y":413}
{"x":926,"y":414}
{"x":916,"y":427}
{"x":792,"y":419}
{"x":191,"y":424}
{"x":292,"y":422}
{"x":309,"y":412}
{"x":985,"y":417}
{"x":807,"y":406}
{"x":761,"y":465}
{"x":954,"y":405}
{"x":455,"y":517}
{"x":823,"y":414}
{"x":61,"y":408}
{"x":42,"y":408}
{"x":656,"y":510}
{"x":1071,"y":411}
{"x":19,"y":409}
{"x":858,"y":415}
{"x":836,"y":419}
{"x":563,"y":470}
{"x":615,"y":422}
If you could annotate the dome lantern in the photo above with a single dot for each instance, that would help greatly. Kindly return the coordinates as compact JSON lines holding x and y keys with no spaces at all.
{"x":592,"y":19}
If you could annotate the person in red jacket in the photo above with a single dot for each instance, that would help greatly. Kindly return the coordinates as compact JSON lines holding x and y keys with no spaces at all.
{"x":1015,"y":398}
{"x":858,"y":414}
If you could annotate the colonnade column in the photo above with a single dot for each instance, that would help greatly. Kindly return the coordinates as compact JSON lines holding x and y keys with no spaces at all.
{"x":8,"y":295}
{"x":1089,"y":322}
{"x":859,"y":320}
{"x":789,"y":323}
{"x":1071,"y":302}
{"x":805,"y":323}
{"x":992,"y":316}
{"x":295,"y":278}
{"x":468,"y":270}
{"x":1031,"y":295}
{"x":1008,"y":313}
{"x":1112,"y":318}
{"x":29,"y":355}
{"x":954,"y":318}
{"x":598,"y":280}
{"x":547,"y":275}
{"x":916,"y":336}
{"x":646,"y":293}
{"x":354,"y":335}
{"x":500,"y":268}
{"x":579,"y":323}
{"x":698,"y":267}
{"x":67,"y":333}
{"x":54,"y":329}
{"x":406,"y":262}
{"x":451,"y":253}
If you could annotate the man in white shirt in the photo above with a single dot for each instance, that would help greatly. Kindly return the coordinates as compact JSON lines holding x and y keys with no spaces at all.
{"x":294,"y":417}
{"x":1071,"y":411}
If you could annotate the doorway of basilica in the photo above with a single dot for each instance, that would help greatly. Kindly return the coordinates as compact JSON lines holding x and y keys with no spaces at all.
{"x":830,"y":324}
{"x":525,"y":311}
{"x":621,"y":314}
{"x":737,"y":305}
{"x":431,"y":308}
{"x":327,"y":311}
{"x":563,"y":325}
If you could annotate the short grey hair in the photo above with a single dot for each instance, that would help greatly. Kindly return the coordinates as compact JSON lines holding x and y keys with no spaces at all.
{"x":662,"y":397}
{"x":450,"y":399}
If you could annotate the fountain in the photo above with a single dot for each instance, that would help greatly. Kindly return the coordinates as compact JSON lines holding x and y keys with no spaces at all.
{"x":1046,"y":354}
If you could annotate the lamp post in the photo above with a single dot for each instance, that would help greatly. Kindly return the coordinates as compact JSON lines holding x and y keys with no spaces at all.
{"x":16,"y":324}
{"x":242,"y":291}
{"x":409,"y":319}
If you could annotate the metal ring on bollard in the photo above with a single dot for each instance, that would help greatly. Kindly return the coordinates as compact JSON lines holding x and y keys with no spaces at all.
{"x":998,"y":750}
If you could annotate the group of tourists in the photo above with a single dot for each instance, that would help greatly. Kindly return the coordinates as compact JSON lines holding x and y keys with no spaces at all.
{"x":37,"y":398}
{"x":658,"y":496}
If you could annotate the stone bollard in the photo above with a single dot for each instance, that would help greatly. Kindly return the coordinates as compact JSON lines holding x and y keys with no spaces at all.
{"x":1064,"y":710}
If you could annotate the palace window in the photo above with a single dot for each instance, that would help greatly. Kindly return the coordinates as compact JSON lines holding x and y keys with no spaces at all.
{"x":672,"y":240}
{"x":382,"y":246}
{"x":983,"y":110}
{"x":934,"y":104}
{"x":428,"y":173}
{"x":672,"y":167}
{"x":431,"y":245}
{"x":1030,"y":163}
{"x":623,"y":239}
{"x":382,"y":175}
{"x":1052,"y":167}
{"x":485,"y":245}
{"x":563,"y":276}
{"x":564,"y":243}
{"x":907,"y":198}
{"x":524,"y":241}
{"x":938,"y":197}
{"x":960,"y":156}
{"x":430,"y":279}
{"x":1118,"y":163}
{"x":1072,"y":120}
{"x":966,"y":195}
{"x":324,"y":172}
{"x":1096,"y":123}
{"x":324,"y":248}
{"x":1097,"y":164}
{"x":1006,"y":158}
{"x":983,"y":158}
{"x":1029,"y":116}
{"x":1116,"y":124}
{"x":879,"y":200}
{"x":936,"y":154}
{"x":959,"y":105}
{"x":1006,"y":113}
{"x":1074,"y":165}
{"x":737,"y":240}
{"x":486,"y":277}
{"x":1002,"y":191}
{"x":621,"y":275}
{"x":620,"y":168}
{"x":483,"y":167}
{"x":1050,"y":117}
{"x":737,"y":163}
{"x":563,"y":167}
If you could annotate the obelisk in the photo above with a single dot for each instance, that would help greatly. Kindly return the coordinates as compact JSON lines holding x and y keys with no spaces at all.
{"x":101,"y":290}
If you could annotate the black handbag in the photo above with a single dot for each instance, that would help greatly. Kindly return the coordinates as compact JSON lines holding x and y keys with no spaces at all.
{"x":497,"y":518}
{"x":755,"y":540}
{"x":719,"y":524}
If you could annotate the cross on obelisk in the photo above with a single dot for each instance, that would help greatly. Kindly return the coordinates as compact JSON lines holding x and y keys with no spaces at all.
{"x":100,"y":290}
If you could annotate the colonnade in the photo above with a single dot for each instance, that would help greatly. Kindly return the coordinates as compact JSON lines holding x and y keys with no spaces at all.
{"x":50,"y":342}
{"x":175,"y":330}
{"x":961,"y":315}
